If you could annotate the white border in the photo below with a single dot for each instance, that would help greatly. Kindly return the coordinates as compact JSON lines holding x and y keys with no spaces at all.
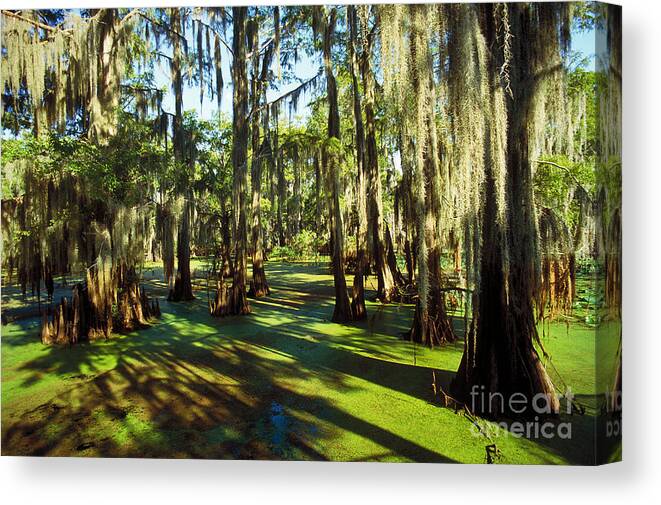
{"x":97,"y":481}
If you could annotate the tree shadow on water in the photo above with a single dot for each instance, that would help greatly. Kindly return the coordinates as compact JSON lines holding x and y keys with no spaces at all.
{"x":213,"y":391}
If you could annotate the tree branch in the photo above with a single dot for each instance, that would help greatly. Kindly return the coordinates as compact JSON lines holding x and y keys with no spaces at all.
{"x":295,"y":90}
{"x":216,"y":32}
{"x":134,"y":12}
{"x":56,"y":29}
{"x":48,"y":28}
{"x":556,"y":165}
{"x":161,"y":25}
{"x":142,"y":88}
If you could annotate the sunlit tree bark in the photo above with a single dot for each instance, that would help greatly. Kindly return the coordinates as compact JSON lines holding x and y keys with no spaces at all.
{"x":238,"y":299}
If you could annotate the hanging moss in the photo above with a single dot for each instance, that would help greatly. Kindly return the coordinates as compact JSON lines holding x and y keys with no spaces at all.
{"x":83,"y":59}
{"x":219,"y":71}
{"x":609,"y":161}
{"x":408,"y":35}
{"x":555,"y":295}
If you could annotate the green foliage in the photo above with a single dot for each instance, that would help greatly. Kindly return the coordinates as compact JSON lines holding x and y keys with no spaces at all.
{"x":556,"y":187}
{"x":609,"y":177}
{"x":121,"y":171}
{"x":585,"y":15}
{"x":581,"y":81}
{"x":302,"y":246}
{"x":334,"y":147}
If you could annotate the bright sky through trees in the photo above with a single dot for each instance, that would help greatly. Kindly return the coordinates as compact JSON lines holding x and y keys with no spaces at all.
{"x":582,"y":42}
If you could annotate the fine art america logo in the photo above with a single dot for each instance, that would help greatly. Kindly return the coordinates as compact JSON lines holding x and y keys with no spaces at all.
{"x":538,"y":426}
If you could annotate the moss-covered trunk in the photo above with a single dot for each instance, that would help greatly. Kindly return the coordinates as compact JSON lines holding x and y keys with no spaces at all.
{"x":182,"y":289}
{"x":358,"y":289}
{"x":238,"y":299}
{"x":258,"y":286}
{"x":501,"y":360}
{"x":431,"y":325}
{"x":282,"y":194}
{"x":386,"y":288}
{"x":342,"y":311}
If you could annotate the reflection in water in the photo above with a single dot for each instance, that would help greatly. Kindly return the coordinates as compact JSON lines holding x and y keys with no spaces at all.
{"x":281,"y":432}
{"x":279,"y":427}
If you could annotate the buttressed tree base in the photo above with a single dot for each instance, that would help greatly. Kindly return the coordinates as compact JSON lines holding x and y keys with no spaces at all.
{"x":342,"y":233}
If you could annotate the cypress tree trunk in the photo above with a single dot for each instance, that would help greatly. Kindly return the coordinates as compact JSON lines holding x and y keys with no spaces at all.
{"x":386,"y":283}
{"x":167,"y":232}
{"x":319,"y":193}
{"x":238,"y":300}
{"x":282,"y":196}
{"x":166,"y":224}
{"x":104,"y":102}
{"x":391,"y":258}
{"x":431,"y":325}
{"x":219,"y":306}
{"x":408,"y":204}
{"x":358,"y":292}
{"x":272,"y":186}
{"x":98,"y":232}
{"x":258,"y":286}
{"x":296,"y":218}
{"x":342,"y":312}
{"x":500,"y":359}
{"x":89,"y":313}
{"x":182,"y":289}
{"x":227,"y":267}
